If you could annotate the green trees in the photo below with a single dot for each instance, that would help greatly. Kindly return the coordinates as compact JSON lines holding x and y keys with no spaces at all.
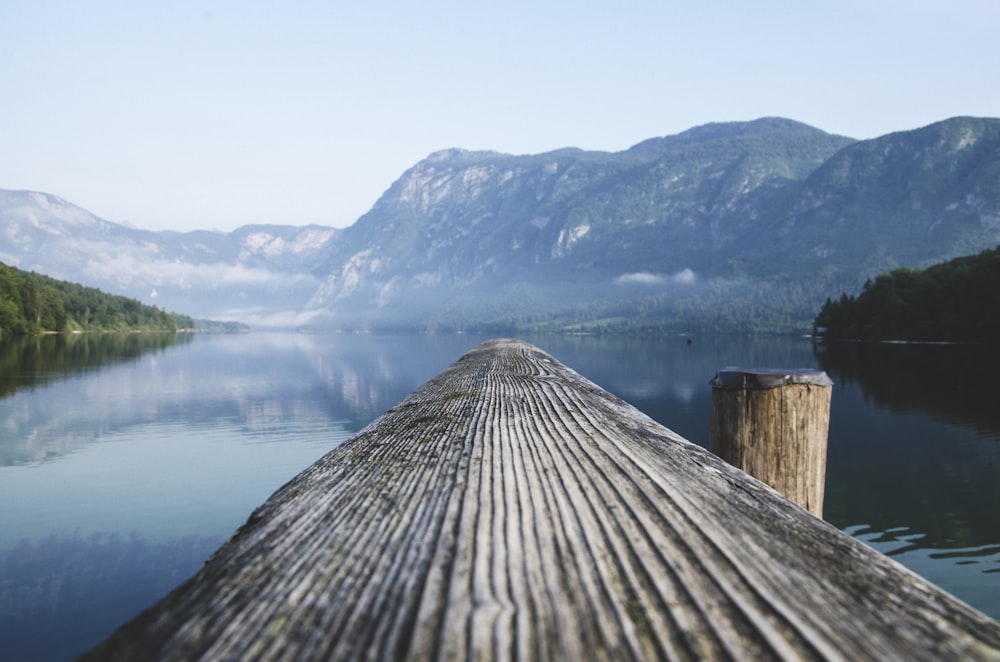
{"x":32,"y":303}
{"x":957,"y":300}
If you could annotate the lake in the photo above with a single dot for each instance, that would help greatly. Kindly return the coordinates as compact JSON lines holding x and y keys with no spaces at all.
{"x":125,"y":460}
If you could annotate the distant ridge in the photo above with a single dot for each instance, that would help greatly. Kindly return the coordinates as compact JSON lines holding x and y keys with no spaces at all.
{"x":764,"y":219}
{"x":256,"y":273}
{"x":735,"y":226}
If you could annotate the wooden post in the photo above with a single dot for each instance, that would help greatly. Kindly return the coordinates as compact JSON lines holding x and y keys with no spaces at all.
{"x":773,"y":425}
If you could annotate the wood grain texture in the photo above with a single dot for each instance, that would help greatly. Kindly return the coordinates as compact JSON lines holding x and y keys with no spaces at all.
{"x":778,"y":435}
{"x":510,"y":509}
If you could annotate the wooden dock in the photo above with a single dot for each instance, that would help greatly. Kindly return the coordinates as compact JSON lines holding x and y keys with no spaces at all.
{"x":511,"y":509}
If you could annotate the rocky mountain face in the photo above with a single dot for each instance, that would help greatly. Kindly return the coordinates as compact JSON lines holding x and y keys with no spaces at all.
{"x":735,"y":226}
{"x":261,"y":274}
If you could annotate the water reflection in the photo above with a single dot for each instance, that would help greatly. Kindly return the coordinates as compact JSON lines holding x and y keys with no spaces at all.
{"x":27,"y":362}
{"x":259,"y":383}
{"x":953,"y":383}
{"x":914,"y":457}
{"x":115,"y":445}
{"x":967,"y":572}
{"x":927,"y":448}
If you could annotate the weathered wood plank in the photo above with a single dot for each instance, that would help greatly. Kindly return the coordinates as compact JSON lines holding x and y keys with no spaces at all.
{"x":772,"y":424}
{"x":511,"y":509}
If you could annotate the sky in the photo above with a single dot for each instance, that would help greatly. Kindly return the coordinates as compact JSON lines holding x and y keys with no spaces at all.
{"x":187,"y":115}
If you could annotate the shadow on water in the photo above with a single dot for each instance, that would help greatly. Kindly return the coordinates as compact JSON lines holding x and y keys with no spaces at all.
{"x":952,"y":383}
{"x":929,"y":445}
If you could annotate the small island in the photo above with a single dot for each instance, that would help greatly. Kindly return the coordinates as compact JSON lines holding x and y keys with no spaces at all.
{"x":954,"y":301}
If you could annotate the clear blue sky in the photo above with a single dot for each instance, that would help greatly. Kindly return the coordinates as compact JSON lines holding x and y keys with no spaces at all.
{"x":213,"y":114}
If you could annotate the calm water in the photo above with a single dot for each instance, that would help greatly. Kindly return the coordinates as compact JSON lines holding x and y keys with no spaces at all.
{"x":126,"y":460}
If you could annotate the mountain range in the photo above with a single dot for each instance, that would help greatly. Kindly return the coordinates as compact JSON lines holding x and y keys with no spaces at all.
{"x":741,"y":226}
{"x":259,"y":273}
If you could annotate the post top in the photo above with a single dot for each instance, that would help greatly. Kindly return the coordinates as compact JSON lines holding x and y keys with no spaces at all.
{"x":765,"y":378}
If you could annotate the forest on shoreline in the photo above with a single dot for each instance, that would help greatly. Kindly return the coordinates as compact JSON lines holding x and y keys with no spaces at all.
{"x":31,"y":303}
{"x":954,"y":301}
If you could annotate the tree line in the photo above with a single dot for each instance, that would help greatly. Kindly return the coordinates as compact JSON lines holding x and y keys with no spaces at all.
{"x":31,"y":303}
{"x":958,"y":300}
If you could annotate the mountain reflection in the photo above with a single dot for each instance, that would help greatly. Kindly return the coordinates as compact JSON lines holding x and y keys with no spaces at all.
{"x":259,"y":383}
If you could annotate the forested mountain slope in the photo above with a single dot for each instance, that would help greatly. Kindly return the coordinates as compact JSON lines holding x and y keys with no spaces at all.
{"x":33,"y":303}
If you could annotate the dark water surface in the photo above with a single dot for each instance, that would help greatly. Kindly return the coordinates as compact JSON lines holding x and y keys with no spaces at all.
{"x":125,"y":460}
